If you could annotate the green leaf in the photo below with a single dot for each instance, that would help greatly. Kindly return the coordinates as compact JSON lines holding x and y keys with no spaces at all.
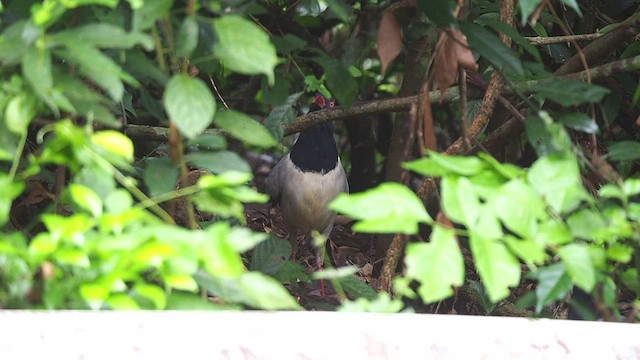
{"x":546,"y":136}
{"x":527,"y":7}
{"x":553,"y":284}
{"x":497,"y":267}
{"x":557,"y":180}
{"x":19,"y":113}
{"x":13,"y":44}
{"x":490,"y":47}
{"x":219,"y":256}
{"x":103,"y":35}
{"x":460,"y":202}
{"x":577,"y":259}
{"x":569,"y":92}
{"x":269,"y":255}
{"x":121,"y":302}
{"x":335,"y":273}
{"x":437,"y":265}
{"x":578,"y":121}
{"x":402,"y":210}
{"x":209,"y":141}
{"x":152,"y":292}
{"x":266,"y":293}
{"x":160,"y":175}
{"x":86,"y":199}
{"x":509,"y":31}
{"x":73,"y":257}
{"x":357,"y":288}
{"x":218,"y":162}
{"x":181,"y":301}
{"x":115,"y":143}
{"x":146,"y":16}
{"x":187,"y":40}
{"x":519,"y":208}
{"x":586,"y":224}
{"x":553,"y":232}
{"x":530,"y":251}
{"x":189,"y":104}
{"x":244,"y":47}
{"x":282,"y":114}
{"x":98,"y":67}
{"x":244,"y":128}
{"x":574,"y":5}
{"x":36,"y":68}
{"x":380,"y":303}
{"x":624,"y":151}
{"x":440,"y":12}
{"x":288,"y":43}
{"x":339,"y":80}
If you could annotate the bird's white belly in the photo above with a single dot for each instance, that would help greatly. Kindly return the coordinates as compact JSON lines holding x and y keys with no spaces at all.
{"x":306,"y":195}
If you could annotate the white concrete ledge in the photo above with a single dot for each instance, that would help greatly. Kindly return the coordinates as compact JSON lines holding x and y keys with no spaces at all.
{"x":305,"y":335}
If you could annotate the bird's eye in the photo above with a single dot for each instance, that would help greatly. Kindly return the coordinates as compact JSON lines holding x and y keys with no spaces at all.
{"x":332,"y":104}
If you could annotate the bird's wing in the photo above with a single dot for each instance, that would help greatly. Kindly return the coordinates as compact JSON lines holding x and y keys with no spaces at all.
{"x":275,"y":180}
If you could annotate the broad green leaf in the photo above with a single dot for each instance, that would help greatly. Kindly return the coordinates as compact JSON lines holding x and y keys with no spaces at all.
{"x":115,"y":143}
{"x":577,"y":259}
{"x":490,"y":47}
{"x":499,"y":26}
{"x":288,"y":43}
{"x":569,"y":92}
{"x":388,"y":208}
{"x":144,"y":17}
{"x":553,"y":232}
{"x":357,"y":288}
{"x":160,"y":175}
{"x":70,"y":256}
{"x":282,"y":114}
{"x":546,"y":136}
{"x":269,"y":255}
{"x":70,"y":228}
{"x":381,"y":303}
{"x":519,"y":208}
{"x":339,"y":80}
{"x":574,"y":5}
{"x":586,"y":224}
{"x":335,"y":273}
{"x":84,"y":100}
{"x":36,"y":68}
{"x":578,"y":121}
{"x":437,"y":265}
{"x":244,"y":47}
{"x":121,"y":302}
{"x":557,"y":180}
{"x":95,"y":293}
{"x":631,"y":187}
{"x":460,"y":202}
{"x":527,"y":7}
{"x":244,"y":128}
{"x":624,"y":151}
{"x":13,"y":44}
{"x":440,"y":12}
{"x":219,"y":256}
{"x":243,"y":239}
{"x":86,"y":199}
{"x":98,"y":67}
{"x":219,"y":161}
{"x":530,"y":251}
{"x":152,"y":292}
{"x":209,"y":141}
{"x":497,"y":267}
{"x":187,"y":40}
{"x":19,"y":113}
{"x":458,"y":165}
{"x":339,"y":8}
{"x":266,"y":293}
{"x":182,"y":301}
{"x":103,"y":35}
{"x":553,"y":284}
{"x":189,"y":104}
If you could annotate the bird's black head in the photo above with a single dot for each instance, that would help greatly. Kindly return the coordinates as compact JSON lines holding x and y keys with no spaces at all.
{"x":315,"y":150}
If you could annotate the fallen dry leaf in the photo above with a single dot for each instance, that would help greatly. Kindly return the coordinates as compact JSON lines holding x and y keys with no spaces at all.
{"x":389,"y":39}
{"x":453,"y":52}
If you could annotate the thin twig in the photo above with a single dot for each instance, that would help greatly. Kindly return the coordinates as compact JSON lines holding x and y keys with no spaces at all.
{"x":218,"y":93}
{"x":542,"y":41}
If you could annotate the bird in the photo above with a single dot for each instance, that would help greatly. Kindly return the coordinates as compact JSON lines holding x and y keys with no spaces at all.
{"x":305,"y":180}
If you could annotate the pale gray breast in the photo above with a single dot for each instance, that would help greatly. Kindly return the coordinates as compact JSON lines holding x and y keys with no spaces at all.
{"x":303,"y":196}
